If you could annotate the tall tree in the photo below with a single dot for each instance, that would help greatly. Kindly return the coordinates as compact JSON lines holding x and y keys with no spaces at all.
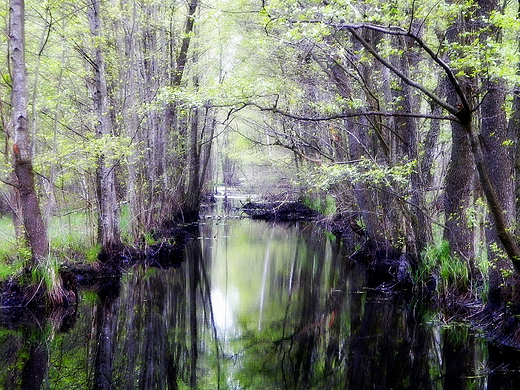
{"x":108,"y":208}
{"x":495,"y":138}
{"x":460,"y":178}
{"x":22,"y":147}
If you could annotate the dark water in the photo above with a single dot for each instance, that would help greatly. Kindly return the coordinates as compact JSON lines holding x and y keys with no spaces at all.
{"x":253,"y":306}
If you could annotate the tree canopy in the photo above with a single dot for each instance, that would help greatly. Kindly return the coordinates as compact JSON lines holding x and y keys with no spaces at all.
{"x":401,"y":118}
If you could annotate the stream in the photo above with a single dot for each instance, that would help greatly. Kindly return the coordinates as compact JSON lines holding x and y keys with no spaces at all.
{"x":254,"y":305}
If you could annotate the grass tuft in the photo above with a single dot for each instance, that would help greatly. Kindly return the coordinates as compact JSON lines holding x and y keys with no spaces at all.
{"x":450,"y":272}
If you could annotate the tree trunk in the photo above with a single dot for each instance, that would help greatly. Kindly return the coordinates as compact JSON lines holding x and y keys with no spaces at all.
{"x":460,"y":178}
{"x":108,"y":210}
{"x":494,"y":136}
{"x":22,"y":151}
{"x":408,"y":147}
{"x":458,"y":196}
{"x":191,"y":198}
{"x":503,"y":228}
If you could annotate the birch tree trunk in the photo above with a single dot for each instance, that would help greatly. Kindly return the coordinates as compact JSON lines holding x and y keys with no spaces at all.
{"x":22,"y":151}
{"x":108,"y":211}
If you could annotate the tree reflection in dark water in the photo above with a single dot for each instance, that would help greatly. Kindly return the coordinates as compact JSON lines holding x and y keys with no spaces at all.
{"x":254,"y":306}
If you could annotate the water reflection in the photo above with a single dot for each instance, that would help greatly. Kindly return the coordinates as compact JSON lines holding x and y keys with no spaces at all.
{"x":254,"y":306}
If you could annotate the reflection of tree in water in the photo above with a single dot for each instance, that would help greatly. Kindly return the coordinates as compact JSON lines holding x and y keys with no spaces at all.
{"x":303,"y":342}
{"x":24,"y":350}
{"x":151,"y":329}
{"x":148,"y":337}
{"x":35,"y":368}
{"x":104,"y":332}
{"x":154,"y":330}
{"x":338,"y":335}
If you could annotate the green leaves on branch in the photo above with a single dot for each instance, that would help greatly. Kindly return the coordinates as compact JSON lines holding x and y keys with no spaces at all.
{"x":395,"y":178}
{"x":83,"y":156}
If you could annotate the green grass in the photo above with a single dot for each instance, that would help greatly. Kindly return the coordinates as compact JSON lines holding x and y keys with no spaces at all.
{"x":13,"y":257}
{"x":72,"y":238}
{"x":325,"y":206}
{"x":451,"y":272}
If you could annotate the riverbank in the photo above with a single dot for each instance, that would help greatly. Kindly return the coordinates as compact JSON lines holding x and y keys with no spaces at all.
{"x":252,"y":295}
{"x":388,"y":270}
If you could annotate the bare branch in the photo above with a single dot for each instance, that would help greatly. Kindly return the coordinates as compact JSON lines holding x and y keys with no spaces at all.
{"x":399,"y":31}
{"x":451,"y":109}
{"x":276,"y":110}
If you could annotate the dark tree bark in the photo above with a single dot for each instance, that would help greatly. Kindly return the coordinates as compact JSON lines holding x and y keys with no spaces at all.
{"x":514,"y":132}
{"x":493,"y":135}
{"x":182,"y":57}
{"x":408,"y":147}
{"x":32,"y":218}
{"x":460,"y":178}
{"x":190,"y":208}
{"x":190,"y":160}
{"x":459,"y":194}
{"x":498,"y":158}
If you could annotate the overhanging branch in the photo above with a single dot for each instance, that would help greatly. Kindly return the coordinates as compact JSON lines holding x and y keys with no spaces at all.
{"x":346,"y":115}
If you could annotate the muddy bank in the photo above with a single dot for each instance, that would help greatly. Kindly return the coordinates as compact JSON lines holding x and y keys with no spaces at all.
{"x":165,"y":251}
{"x":343,"y":226}
{"x":21,"y":292}
{"x":279,"y":211}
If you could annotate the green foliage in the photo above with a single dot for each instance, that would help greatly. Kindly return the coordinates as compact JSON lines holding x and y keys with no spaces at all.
{"x":72,"y":236}
{"x":149,"y":238}
{"x":92,"y":253}
{"x":14,"y":256}
{"x":367,"y":171}
{"x":46,"y":273}
{"x":71,"y":240}
{"x":260,"y":367}
{"x":8,"y":269}
{"x":451,"y":273}
{"x":90,"y":296}
{"x":325,"y":206}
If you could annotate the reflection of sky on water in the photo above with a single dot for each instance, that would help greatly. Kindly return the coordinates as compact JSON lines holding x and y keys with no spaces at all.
{"x":224,"y":312}
{"x":251,"y":266}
